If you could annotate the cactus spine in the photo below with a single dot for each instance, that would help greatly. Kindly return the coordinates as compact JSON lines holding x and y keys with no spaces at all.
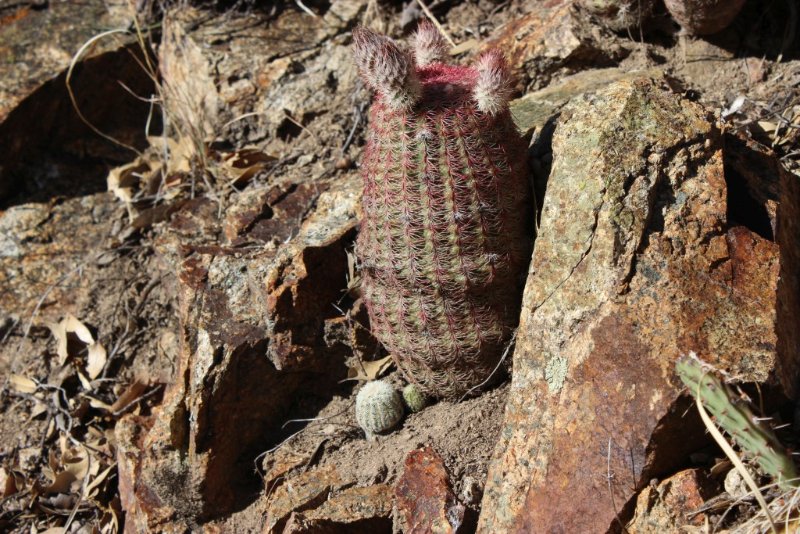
{"x":735,"y":418}
{"x":444,"y":243}
{"x":378,"y":407}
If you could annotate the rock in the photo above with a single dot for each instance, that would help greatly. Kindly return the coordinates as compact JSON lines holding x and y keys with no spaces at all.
{"x":532,"y":111}
{"x":424,"y":498}
{"x":667,"y":507}
{"x":212,"y":91}
{"x":260,"y":278}
{"x":553,"y":37}
{"x":735,"y":485}
{"x":252,"y":341}
{"x":366,"y":509}
{"x":41,"y":135}
{"x":704,"y":17}
{"x":307,"y":490}
{"x":635,"y":264}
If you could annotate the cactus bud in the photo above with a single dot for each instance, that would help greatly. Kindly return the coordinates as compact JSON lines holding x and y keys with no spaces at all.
{"x":493,"y":86}
{"x":378,"y":407}
{"x":429,"y":46}
{"x":386,"y":68}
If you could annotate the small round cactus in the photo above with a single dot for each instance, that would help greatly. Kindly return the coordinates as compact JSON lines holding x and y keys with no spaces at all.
{"x":414,"y":398}
{"x":378,"y":407}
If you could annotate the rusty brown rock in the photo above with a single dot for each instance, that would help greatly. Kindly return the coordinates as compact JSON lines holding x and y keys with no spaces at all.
{"x":551,"y":37}
{"x":636,"y":263}
{"x":366,"y":509}
{"x":425,"y":500}
{"x":253,"y":329}
{"x":301,"y":492}
{"x":671,"y":504}
{"x":285,"y":80}
{"x":254,"y":307}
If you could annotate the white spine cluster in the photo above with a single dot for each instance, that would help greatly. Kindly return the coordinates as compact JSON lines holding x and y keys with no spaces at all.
{"x":429,"y":45}
{"x":493,"y":86}
{"x":386,"y":68}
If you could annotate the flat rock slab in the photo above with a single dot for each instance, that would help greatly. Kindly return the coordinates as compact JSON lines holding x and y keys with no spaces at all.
{"x":425,"y":501}
{"x":367,"y":509}
{"x":636,"y":264}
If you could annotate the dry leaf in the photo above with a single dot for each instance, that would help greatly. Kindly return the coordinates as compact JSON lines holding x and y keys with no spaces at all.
{"x":96,"y":352}
{"x":124,"y":180}
{"x":98,"y":404}
{"x":22,"y":384}
{"x":369,"y":370}
{"x":85,"y":382}
{"x":73,"y":470}
{"x":131,"y":393}
{"x":95,"y":483}
{"x":96,"y":360}
{"x":768,"y":126}
{"x":242,"y":165}
{"x":8,"y":485}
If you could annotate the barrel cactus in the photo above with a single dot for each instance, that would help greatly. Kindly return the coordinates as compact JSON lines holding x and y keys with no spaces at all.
{"x":379,"y":407}
{"x":445,"y":239}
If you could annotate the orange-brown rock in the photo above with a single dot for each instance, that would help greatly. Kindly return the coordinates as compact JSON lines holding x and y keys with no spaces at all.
{"x":424,"y":498}
{"x":671,"y":504}
{"x":637,"y":262}
{"x":554,"y":37}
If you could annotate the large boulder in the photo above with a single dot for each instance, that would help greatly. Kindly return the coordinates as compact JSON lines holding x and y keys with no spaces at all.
{"x":637,"y":262}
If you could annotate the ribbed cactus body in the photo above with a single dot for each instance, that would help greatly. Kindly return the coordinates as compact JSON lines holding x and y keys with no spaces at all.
{"x":379,"y":407}
{"x":444,"y":240}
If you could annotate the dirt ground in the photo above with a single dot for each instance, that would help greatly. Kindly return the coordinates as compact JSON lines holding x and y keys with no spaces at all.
{"x":68,"y":248}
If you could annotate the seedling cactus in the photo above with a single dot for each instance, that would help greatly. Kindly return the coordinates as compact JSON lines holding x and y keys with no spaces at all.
{"x":378,"y":407}
{"x":445,"y":238}
{"x":735,"y":418}
{"x":414,"y":398}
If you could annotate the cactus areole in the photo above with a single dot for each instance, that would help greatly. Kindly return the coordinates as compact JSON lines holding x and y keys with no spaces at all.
{"x":445,"y":240}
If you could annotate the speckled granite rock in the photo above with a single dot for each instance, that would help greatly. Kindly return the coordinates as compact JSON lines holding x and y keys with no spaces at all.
{"x":636,"y":263}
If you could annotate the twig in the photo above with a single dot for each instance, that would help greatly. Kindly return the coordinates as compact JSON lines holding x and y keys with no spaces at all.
{"x":731,"y":454}
{"x":74,"y":101}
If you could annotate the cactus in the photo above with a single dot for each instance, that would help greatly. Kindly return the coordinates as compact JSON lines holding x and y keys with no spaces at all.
{"x":414,"y":398}
{"x":445,"y":239}
{"x":378,"y":407}
{"x":735,"y":418}
{"x":704,"y":17}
